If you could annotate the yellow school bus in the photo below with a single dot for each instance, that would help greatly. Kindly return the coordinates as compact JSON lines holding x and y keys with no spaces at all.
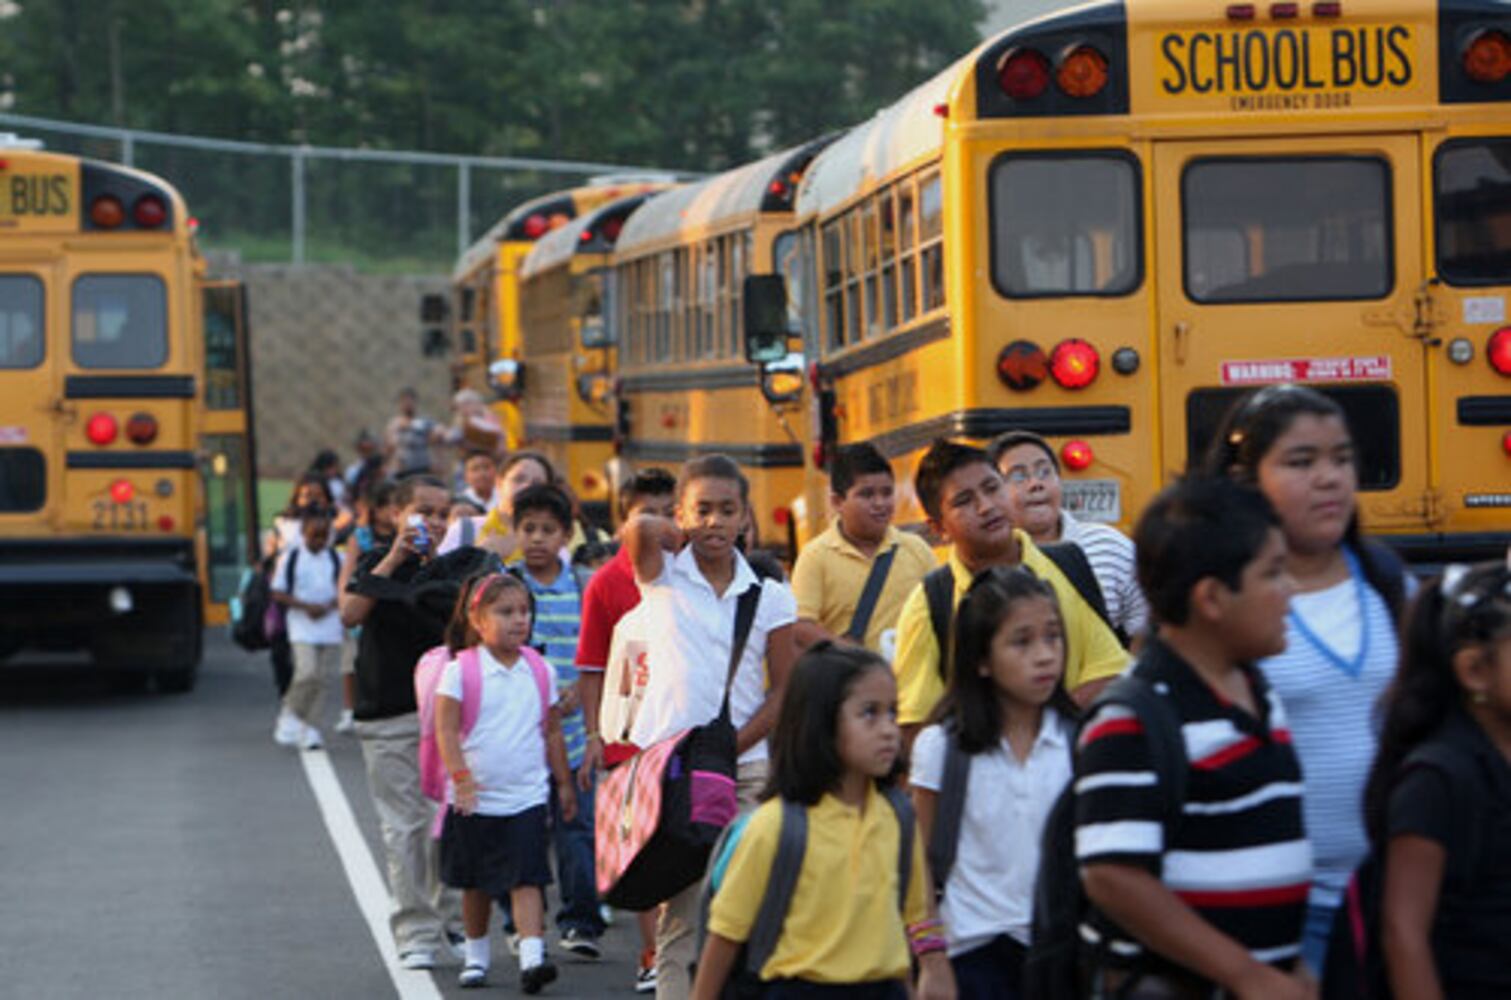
{"x":484,"y":300}
{"x":565,"y":383}
{"x":683,"y":386}
{"x":127,"y":512}
{"x":1105,"y":225}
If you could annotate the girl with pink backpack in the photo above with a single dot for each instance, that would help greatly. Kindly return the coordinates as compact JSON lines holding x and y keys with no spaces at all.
{"x":498,"y":735}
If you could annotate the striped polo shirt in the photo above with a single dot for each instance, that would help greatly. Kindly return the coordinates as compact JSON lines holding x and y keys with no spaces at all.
{"x":1239,"y":855}
{"x":558,"y":619}
{"x":1113,"y":563}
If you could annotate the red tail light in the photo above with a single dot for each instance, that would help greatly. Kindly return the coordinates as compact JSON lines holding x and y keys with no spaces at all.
{"x":1082,"y":72}
{"x":781,"y":515}
{"x":777,"y":189}
{"x":1024,"y":74}
{"x":535,"y":226}
{"x":141,"y":428}
{"x":1327,"y":8}
{"x":1487,"y":58}
{"x":820,"y":455}
{"x":612,"y":228}
{"x":101,"y":429}
{"x":1506,"y":443}
{"x":121,"y":491}
{"x":1240,"y":12}
{"x":1074,"y":364}
{"x":1499,"y":350}
{"x":106,"y":211}
{"x":1022,"y":365}
{"x":149,"y":211}
{"x":165,"y":523}
{"x":1077,"y":455}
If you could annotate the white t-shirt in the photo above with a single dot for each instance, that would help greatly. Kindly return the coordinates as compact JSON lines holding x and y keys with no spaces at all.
{"x":314,"y":583}
{"x":505,"y":751}
{"x":1334,"y":614}
{"x":991,"y":886}
{"x":689,"y":632}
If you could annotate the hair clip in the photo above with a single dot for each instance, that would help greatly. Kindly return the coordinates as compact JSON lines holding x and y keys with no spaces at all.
{"x":1453,"y":581}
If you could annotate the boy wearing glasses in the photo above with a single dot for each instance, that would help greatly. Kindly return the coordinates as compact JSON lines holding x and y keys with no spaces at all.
{"x":1031,"y":470}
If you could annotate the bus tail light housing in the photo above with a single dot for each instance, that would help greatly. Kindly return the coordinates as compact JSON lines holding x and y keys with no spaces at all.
{"x":141,"y":428}
{"x":101,"y":429}
{"x":1498,"y":351}
{"x":1074,"y":363}
{"x":106,"y":212}
{"x":149,"y":211}
{"x":1024,"y":74}
{"x":536,"y":226}
{"x":1077,"y":456}
{"x":1487,"y":57}
{"x":1022,"y":365}
{"x":1082,"y":72}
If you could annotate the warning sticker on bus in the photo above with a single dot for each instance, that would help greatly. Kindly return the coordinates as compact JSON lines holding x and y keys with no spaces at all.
{"x":1356,"y":369}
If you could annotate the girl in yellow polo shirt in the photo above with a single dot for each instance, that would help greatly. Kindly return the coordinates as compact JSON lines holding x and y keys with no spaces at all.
{"x":835,"y":747}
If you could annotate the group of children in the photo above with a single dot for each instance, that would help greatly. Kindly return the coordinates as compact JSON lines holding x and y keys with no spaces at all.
{"x":1220,"y":797}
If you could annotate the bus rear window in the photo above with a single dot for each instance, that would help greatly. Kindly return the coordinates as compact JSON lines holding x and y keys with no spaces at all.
{"x":21,"y":343}
{"x":23,"y":480}
{"x":1065,"y":225}
{"x":1296,"y":230}
{"x":1472,"y":188}
{"x":120,"y":321}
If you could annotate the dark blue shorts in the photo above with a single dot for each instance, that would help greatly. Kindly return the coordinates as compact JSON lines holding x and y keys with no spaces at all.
{"x":495,"y":853}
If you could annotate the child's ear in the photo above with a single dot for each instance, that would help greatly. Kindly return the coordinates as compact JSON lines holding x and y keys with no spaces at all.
{"x":1472,"y":668}
{"x":1208,"y":599}
{"x":937,"y":528}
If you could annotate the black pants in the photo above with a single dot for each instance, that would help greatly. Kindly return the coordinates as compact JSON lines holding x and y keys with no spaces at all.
{"x":283,"y":663}
{"x":993,"y":971}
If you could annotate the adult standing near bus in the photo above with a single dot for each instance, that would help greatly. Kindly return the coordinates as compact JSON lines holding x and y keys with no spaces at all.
{"x":1341,"y":638}
{"x":409,"y":437}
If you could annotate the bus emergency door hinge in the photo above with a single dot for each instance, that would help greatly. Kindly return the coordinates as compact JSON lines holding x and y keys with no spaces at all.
{"x":1418,"y":319}
{"x":1428,"y":506}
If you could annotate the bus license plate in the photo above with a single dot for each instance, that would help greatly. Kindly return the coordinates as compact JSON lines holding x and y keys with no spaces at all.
{"x":1093,"y":499}
{"x":111,"y":516}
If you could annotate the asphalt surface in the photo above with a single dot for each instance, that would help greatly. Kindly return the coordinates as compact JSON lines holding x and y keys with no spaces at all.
{"x":161,"y":846}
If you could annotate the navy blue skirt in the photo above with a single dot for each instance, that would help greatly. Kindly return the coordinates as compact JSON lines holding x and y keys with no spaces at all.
{"x":495,"y":853}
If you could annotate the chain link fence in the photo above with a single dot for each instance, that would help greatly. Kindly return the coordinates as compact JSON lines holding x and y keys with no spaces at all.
{"x":381,"y":210}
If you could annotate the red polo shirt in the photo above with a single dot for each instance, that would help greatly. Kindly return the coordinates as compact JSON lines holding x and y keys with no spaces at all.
{"x":610,"y":595}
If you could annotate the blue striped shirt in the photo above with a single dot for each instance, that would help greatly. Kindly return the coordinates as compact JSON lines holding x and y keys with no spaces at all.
{"x":558,"y":620}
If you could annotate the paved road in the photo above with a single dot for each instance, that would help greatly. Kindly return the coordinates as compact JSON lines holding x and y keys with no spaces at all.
{"x":157,"y":846}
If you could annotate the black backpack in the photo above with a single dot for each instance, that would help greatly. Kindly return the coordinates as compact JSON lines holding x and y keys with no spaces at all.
{"x":252,"y":607}
{"x":1053,"y":968}
{"x":1069,"y":559}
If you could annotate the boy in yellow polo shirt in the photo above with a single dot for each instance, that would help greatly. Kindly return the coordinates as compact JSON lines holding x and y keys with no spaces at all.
{"x":965,"y":498}
{"x":834,"y":570}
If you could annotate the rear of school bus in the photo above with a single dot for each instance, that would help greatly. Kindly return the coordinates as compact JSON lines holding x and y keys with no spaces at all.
{"x":110,"y":541}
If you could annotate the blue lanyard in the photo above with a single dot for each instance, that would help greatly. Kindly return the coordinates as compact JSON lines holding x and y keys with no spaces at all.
{"x":1355,"y":668}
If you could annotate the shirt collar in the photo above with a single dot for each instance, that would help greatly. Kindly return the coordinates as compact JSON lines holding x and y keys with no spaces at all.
{"x":1026,"y":553}
{"x":684,"y":564}
{"x":839,"y":543}
{"x":1161,"y":664}
{"x":562,"y":584}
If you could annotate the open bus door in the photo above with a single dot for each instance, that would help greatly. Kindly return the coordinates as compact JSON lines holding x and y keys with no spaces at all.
{"x":228,"y":457}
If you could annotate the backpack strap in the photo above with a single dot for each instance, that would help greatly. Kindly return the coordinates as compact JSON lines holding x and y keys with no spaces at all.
{"x":472,"y":687}
{"x":335,"y":564}
{"x":939,"y":591}
{"x":1167,"y":747}
{"x":1387,"y":565}
{"x":468,"y":532}
{"x":907,"y":827}
{"x":870,"y":594}
{"x":542,"y":673}
{"x":288,"y":570}
{"x":791,"y":845}
{"x":1070,"y":559}
{"x":949,"y":813}
{"x":745,"y":612}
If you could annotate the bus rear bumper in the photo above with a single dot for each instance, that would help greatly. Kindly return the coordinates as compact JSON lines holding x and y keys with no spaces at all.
{"x":1429,"y":552}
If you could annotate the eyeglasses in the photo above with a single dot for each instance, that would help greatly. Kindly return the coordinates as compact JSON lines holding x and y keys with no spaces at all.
{"x":1041,"y":471}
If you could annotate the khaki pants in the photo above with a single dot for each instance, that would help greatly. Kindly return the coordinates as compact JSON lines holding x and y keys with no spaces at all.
{"x":420,"y":905}
{"x":314,"y":666}
{"x":677,"y":930}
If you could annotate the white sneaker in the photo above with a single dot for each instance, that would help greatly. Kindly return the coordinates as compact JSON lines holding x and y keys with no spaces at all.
{"x":419,"y":958}
{"x":288,"y":729}
{"x":346,"y":723}
{"x":312,"y":740}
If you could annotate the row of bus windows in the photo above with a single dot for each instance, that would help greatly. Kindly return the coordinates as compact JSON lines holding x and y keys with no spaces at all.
{"x":119,"y":321}
{"x":682,"y":304}
{"x":1254,"y":229}
{"x":883,"y":262}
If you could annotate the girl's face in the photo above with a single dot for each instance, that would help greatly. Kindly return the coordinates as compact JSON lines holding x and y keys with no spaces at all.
{"x":713,"y":514}
{"x":1309,"y":476}
{"x":522,"y":474}
{"x":504,"y":622}
{"x":867,"y":735}
{"x":309,"y":495}
{"x":1484,"y":671}
{"x":1027,"y":656}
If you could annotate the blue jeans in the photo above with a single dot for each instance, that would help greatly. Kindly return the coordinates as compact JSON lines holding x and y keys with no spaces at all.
{"x":574,"y":866}
{"x":1314,"y":935}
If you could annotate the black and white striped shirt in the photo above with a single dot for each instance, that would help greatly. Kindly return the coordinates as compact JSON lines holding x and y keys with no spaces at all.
{"x":1239,"y":855}
{"x":1113,"y":562}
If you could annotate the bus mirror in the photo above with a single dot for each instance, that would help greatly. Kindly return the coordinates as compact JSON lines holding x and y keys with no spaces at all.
{"x":433,"y":308}
{"x":507,"y":379}
{"x":596,"y":334}
{"x":765,"y":314}
{"x":783,"y":381}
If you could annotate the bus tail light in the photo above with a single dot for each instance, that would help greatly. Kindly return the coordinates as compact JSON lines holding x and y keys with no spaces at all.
{"x":165,"y":523}
{"x":1240,"y":12}
{"x":106,"y":212}
{"x":101,"y":429}
{"x":536,"y":226}
{"x":1024,"y":74}
{"x":1327,"y":8}
{"x":1077,"y":455}
{"x":1074,"y":363}
{"x":612,"y":228}
{"x":1285,"y":11}
{"x":1022,"y":365}
{"x":820,"y":455}
{"x":141,"y":428}
{"x":121,"y":491}
{"x":1499,"y":350}
{"x":1082,"y":72}
{"x":781,"y":516}
{"x":149,"y":211}
{"x":1487,"y":57}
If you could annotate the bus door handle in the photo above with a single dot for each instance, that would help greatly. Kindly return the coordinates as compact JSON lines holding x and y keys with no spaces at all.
{"x":1182,"y":334}
{"x":63,"y":409}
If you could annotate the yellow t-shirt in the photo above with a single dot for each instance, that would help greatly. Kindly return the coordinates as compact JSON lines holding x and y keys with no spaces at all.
{"x":831,"y":573}
{"x":842,"y":925}
{"x":1092,"y":651}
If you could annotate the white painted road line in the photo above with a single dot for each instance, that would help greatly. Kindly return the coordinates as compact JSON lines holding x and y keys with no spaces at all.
{"x":361,"y":871}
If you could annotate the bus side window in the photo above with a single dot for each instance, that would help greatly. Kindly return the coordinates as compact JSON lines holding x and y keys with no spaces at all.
{"x":21,"y":343}
{"x":931,"y":239}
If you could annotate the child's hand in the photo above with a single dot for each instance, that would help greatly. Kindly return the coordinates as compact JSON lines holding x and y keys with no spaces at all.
{"x":502,"y":546}
{"x":567,"y":700}
{"x":465,"y":787}
{"x":936,"y":980}
{"x":566,"y":793}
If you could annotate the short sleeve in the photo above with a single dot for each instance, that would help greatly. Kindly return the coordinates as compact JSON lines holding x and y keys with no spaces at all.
{"x":927,"y":759}
{"x":808,"y":584}
{"x":916,"y":901}
{"x":279,"y":582}
{"x":777,"y":608}
{"x":452,"y":540}
{"x":1094,"y":652}
{"x":735,"y":905}
{"x":919,"y":686}
{"x":1421,"y":805}
{"x":597,"y":625}
{"x":1119,"y":813}
{"x":450,"y":683}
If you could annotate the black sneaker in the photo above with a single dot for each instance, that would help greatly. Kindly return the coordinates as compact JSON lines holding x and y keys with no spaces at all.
{"x":580,"y":944}
{"x":533,"y":979}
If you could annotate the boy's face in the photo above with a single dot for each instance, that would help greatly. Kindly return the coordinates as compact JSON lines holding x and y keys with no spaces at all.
{"x":712,"y":513}
{"x":654,"y":505}
{"x":480,"y":473}
{"x":973,"y":510}
{"x":1033,"y":489}
{"x":520,"y":475}
{"x":866,"y":508}
{"x":1253,"y":616}
{"x":317,"y":532}
{"x":431,"y":503}
{"x":384,"y":517}
{"x":541,"y":537}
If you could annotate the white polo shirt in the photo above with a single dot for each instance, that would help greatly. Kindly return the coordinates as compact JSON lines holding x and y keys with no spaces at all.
{"x":314,"y":583}
{"x":689,"y":632}
{"x":505,"y":751}
{"x":991,"y":886}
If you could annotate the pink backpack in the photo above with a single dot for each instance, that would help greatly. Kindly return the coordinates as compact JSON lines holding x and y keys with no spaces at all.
{"x":427,"y":676}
